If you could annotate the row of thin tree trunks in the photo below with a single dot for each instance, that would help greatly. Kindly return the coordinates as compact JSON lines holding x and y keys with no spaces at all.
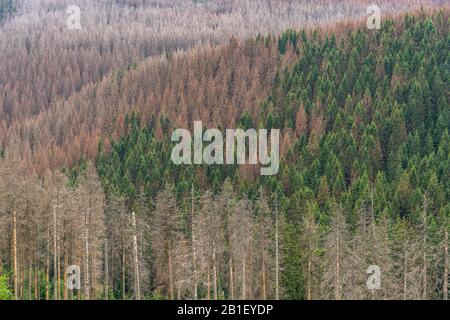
{"x":26,"y":284}
{"x":27,"y":269}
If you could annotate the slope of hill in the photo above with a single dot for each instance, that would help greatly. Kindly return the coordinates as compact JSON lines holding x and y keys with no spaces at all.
{"x":44,"y":63}
{"x":365,"y":121}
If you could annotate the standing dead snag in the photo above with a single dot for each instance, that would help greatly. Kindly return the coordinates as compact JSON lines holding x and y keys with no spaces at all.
{"x":263,"y":248}
{"x":119,"y":239}
{"x":87,"y":282}
{"x":16,"y":287}
{"x":55,"y":254}
{"x":424,"y":248}
{"x":136,"y":258}
{"x":277,"y":249}
{"x":446,"y":262}
{"x":310,"y":241}
{"x":225,"y":204}
{"x":442,"y":250}
{"x":91,"y":199}
{"x":241,"y":240}
{"x":336,"y":258}
{"x":165,"y":233}
{"x":210,"y":235}
{"x":193,"y":244}
{"x":106,"y":277}
{"x":407,"y":256}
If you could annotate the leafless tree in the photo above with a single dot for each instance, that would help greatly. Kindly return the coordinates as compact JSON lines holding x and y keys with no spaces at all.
{"x":310,"y":242}
{"x":337,"y":272}
{"x":165,"y":234}
{"x":241,"y":241}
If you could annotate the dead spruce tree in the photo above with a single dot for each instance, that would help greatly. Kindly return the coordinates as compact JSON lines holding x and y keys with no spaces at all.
{"x":91,"y":198}
{"x":141,"y":243}
{"x":426,"y":250}
{"x":441,"y":273}
{"x":370,"y":248}
{"x":263,"y":251}
{"x":194,"y":250}
{"x":13,"y":207}
{"x":226,"y":202}
{"x":119,"y":238}
{"x":407,"y":258}
{"x":336,"y":261}
{"x":310,"y":243}
{"x":209,"y":233}
{"x":241,"y":241}
{"x":165,"y":230}
{"x":381,"y":255}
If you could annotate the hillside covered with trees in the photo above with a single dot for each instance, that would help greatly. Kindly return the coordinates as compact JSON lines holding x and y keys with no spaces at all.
{"x":86,"y":177}
{"x":47,"y":69}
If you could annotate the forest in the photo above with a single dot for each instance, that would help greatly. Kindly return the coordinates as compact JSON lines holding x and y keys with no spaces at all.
{"x":85,"y":171}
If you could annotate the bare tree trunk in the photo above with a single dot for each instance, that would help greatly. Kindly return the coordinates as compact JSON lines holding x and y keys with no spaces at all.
{"x":243,"y":279}
{"x":87,"y":282}
{"x":79,"y":290}
{"x":106,"y":271}
{"x":405,"y":266}
{"x":171,"y":293}
{"x":123,"y":269}
{"x":47,"y":267}
{"x":214,"y":272}
{"x":194,"y":258}
{"x":136,"y":260}
{"x":21,"y":284}
{"x":55,"y":257}
{"x":111,"y":276}
{"x":36,"y":283}
{"x":425,"y":231}
{"x":30,"y":280}
{"x":263,"y":262}
{"x":208,"y":286}
{"x":15,"y":255}
{"x":372,"y":214}
{"x":263,"y":272}
{"x":308,"y":291}
{"x":231,"y":279}
{"x":230,"y":262}
{"x":93,"y":277}
{"x":59,"y":269}
{"x":277,"y":261}
{"x":66,"y":264}
{"x":338,"y":269}
{"x":445,"y":285}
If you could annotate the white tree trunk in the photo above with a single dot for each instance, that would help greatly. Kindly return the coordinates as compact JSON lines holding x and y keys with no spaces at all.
{"x":55,"y":256}
{"x":214,"y":272}
{"x":136,"y":260}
